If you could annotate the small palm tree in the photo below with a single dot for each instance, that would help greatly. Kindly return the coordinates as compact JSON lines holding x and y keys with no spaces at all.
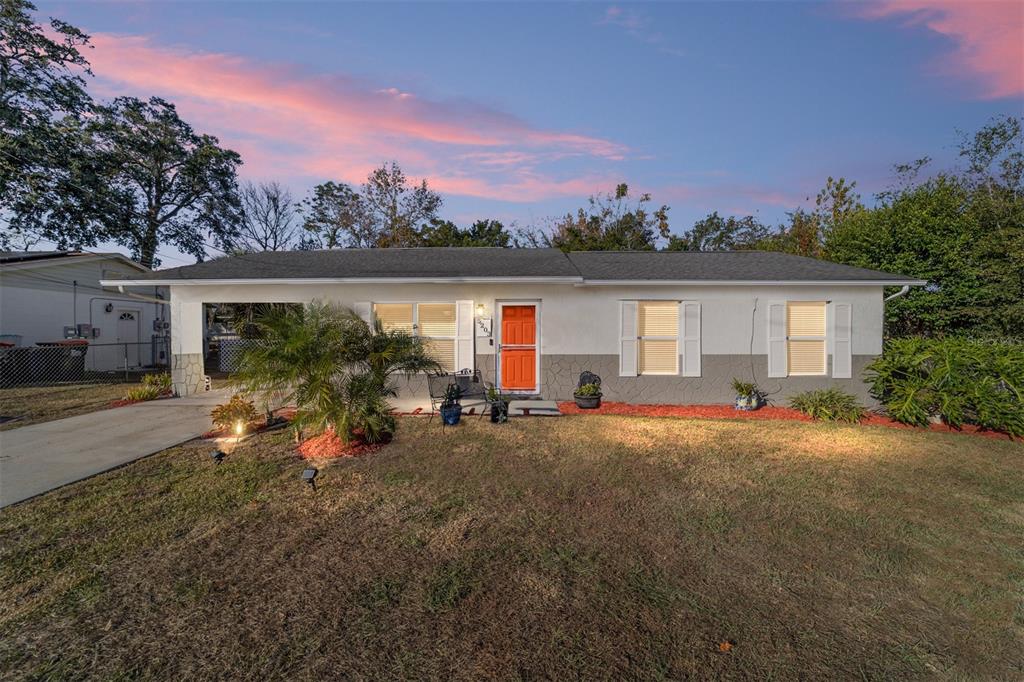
{"x":337,"y":372}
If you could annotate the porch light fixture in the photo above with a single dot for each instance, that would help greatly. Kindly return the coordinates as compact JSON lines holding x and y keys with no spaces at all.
{"x":217,"y":456}
{"x":309,"y":476}
{"x":480,"y":310}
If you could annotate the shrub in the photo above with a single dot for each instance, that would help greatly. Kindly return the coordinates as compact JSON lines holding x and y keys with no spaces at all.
{"x":961,"y":381}
{"x":161,"y":382}
{"x":587,"y":390}
{"x":746,"y":389}
{"x":829,"y":404}
{"x":332,"y":366}
{"x":144,"y":392}
{"x":153,"y":386}
{"x":238,"y":409}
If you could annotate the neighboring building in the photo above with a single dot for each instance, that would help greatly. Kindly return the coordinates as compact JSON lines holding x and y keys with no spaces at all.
{"x":47,"y":296}
{"x":658,"y":327}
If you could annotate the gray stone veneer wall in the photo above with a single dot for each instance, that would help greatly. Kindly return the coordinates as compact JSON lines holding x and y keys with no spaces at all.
{"x":559,"y":374}
{"x":187,"y":374}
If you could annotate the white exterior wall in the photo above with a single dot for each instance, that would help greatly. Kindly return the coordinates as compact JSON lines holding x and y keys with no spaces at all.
{"x":575,"y":320}
{"x":38,"y":299}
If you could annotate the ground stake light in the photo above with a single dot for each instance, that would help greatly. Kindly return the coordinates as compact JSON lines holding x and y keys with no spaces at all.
{"x":217,"y":456}
{"x":309,"y":476}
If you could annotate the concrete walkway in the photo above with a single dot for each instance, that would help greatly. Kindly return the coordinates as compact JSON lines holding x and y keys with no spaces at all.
{"x":41,"y":457}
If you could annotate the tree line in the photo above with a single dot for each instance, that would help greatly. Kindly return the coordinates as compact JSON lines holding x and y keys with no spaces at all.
{"x":79,"y":173}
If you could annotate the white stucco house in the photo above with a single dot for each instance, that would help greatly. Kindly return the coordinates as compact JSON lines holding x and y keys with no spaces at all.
{"x":658,"y":327}
{"x":46,"y":296}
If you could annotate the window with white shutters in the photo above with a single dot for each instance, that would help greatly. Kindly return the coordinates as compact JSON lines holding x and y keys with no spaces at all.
{"x":658,"y":332}
{"x":805,"y":338}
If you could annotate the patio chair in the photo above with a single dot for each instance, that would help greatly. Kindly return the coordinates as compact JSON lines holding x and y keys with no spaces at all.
{"x":472,"y":389}
{"x":437,"y":384}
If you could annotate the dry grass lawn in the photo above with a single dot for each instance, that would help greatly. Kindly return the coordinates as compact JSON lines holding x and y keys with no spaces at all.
{"x":580,"y":547}
{"x":46,"y":403}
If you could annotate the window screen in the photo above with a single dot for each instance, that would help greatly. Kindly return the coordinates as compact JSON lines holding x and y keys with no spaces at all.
{"x":805,"y":338}
{"x":436,"y":324}
{"x":433,"y":322}
{"x":394,"y":316}
{"x":658,"y":329}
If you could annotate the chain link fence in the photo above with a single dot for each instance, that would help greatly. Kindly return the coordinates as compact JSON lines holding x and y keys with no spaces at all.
{"x":80,"y":362}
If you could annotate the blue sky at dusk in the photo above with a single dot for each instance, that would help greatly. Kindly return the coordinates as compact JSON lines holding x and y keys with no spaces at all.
{"x":520,"y":111}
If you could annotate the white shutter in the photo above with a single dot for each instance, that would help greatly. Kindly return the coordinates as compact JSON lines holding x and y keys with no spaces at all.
{"x":842,"y":333}
{"x":364,"y":309}
{"x":689,"y":338}
{"x":465,"y":354}
{"x":627,"y":338}
{"x":777,"y":339}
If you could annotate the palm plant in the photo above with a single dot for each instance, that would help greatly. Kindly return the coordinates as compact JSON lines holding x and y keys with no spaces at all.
{"x":337,"y":372}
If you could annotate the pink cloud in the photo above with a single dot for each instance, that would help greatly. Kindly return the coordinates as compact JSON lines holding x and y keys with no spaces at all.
{"x":713,"y":196}
{"x":290,"y":121}
{"x":989,"y":37}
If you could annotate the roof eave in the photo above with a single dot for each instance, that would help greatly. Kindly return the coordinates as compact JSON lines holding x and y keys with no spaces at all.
{"x":577,"y":281}
{"x":344,"y":280}
{"x":752,"y":282}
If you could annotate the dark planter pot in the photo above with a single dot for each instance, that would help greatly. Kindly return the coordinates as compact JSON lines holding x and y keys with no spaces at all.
{"x":499,"y":412}
{"x":749,"y":403}
{"x":451,"y":414}
{"x":588,"y":402}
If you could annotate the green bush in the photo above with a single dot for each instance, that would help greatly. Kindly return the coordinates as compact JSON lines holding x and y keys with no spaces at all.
{"x":144,"y":392}
{"x":961,"y":381}
{"x":238,"y":409}
{"x":333,"y":367}
{"x":588,"y":390}
{"x":162,"y":382}
{"x":829,"y":404}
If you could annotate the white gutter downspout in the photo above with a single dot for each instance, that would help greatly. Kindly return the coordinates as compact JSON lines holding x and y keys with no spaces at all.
{"x":903,"y":290}
{"x":149,"y":299}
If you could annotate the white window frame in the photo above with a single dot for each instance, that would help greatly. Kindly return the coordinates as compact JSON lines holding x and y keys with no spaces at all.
{"x":823,"y":338}
{"x":640,"y":340}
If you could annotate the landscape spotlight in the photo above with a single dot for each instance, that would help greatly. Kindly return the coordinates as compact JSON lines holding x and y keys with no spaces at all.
{"x":309,"y":476}
{"x":217,"y":456}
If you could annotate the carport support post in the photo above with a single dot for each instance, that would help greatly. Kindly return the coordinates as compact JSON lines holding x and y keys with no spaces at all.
{"x":187,"y":372}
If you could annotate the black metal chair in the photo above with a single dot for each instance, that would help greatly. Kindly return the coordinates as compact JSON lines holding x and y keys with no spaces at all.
{"x":472,"y":389}
{"x":471,"y":385}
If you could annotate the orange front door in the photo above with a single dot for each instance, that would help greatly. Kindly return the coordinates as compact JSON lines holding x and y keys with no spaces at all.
{"x":519,"y":347}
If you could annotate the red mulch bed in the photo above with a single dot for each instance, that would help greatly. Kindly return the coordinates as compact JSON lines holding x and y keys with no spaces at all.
{"x":329,"y":446}
{"x":765,"y":413}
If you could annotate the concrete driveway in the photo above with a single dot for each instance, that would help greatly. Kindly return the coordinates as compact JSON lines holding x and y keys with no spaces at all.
{"x":41,"y":457}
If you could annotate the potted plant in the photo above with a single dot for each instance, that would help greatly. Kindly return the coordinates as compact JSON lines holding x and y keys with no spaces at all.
{"x":588,"y":396}
{"x":499,"y":405}
{"x":748,"y":395}
{"x":451,"y":409}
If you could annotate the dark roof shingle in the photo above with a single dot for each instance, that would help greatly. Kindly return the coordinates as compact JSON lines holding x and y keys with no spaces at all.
{"x":754,"y":266}
{"x":449,"y":263}
{"x":380,"y":264}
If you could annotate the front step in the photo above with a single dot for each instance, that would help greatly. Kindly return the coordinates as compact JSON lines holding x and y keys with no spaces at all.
{"x":533,"y":408}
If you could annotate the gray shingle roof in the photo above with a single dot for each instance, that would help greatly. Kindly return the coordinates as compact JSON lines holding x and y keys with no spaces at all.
{"x":21,"y":256}
{"x":758,"y":266}
{"x":441,"y":263}
{"x":380,"y":263}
